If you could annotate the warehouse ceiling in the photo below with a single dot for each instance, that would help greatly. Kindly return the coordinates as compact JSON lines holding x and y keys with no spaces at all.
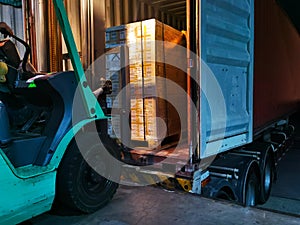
{"x":292,"y":8}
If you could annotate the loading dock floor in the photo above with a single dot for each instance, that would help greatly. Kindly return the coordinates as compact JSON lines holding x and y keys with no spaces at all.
{"x":152,"y":205}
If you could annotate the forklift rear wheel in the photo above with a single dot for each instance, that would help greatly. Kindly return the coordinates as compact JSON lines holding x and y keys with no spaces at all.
{"x":79,"y":186}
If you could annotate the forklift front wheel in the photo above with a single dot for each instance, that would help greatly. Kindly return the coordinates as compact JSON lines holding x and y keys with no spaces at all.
{"x":79,"y":186}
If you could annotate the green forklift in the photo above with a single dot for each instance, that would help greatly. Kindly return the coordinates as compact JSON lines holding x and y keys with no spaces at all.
{"x":43,"y":118}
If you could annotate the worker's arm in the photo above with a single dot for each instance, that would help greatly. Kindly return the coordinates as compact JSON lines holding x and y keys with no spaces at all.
{"x":105,"y":89}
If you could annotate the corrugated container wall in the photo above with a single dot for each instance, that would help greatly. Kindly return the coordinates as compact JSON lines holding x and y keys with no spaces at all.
{"x":227,"y":30}
{"x":276,"y":65}
{"x":14,"y":18}
{"x":120,"y":12}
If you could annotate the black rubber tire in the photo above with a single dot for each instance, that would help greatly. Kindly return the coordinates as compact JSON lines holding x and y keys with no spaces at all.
{"x":267,"y":180}
{"x":225,"y":195}
{"x":251,"y":188}
{"x":78,"y":186}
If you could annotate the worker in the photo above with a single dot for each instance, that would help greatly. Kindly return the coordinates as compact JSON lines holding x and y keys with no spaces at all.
{"x":9,"y":58}
{"x":13,"y":54}
{"x":5,"y":27}
{"x":10,"y":64}
{"x":3,"y":66}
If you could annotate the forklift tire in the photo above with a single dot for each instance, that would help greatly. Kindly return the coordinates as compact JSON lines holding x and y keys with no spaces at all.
{"x":79,"y":187}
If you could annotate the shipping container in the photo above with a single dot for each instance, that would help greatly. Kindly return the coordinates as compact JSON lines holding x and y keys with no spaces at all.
{"x":241,"y":88}
{"x":225,"y":48}
{"x":276,"y":68}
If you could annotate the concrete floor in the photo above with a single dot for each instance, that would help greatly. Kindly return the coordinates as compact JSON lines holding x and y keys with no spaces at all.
{"x":153,"y":205}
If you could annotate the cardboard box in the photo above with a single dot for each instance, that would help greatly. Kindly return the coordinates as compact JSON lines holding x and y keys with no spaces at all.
{"x":147,"y":54}
{"x":114,"y":36}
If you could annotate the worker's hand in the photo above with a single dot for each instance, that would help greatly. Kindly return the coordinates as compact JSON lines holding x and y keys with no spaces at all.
{"x":107,"y":87}
{"x":5,"y":29}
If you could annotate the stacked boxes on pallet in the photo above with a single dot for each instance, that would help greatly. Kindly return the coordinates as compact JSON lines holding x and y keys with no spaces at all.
{"x":113,"y":73}
{"x":135,"y":59}
{"x":115,"y":38}
{"x":147,"y":76}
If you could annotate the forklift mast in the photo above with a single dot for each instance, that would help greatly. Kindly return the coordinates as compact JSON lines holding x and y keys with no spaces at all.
{"x":92,"y":107}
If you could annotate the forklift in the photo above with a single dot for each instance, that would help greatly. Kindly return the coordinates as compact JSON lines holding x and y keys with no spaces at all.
{"x":43,"y":118}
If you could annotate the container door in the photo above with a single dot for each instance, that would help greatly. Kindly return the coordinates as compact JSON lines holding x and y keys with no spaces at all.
{"x":226,"y":76}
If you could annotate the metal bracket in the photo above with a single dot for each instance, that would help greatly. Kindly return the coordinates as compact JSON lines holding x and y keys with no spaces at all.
{"x":196,"y":188}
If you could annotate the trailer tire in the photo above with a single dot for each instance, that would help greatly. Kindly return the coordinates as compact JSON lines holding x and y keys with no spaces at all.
{"x":226,"y":193}
{"x":80,"y":187}
{"x":252,"y":188}
{"x":267,"y":179}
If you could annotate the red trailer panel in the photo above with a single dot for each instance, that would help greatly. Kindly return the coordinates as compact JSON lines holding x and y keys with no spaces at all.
{"x":276,"y":64}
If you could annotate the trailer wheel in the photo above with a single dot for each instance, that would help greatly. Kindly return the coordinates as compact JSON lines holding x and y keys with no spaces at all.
{"x":251,"y":188}
{"x":226,"y":194}
{"x":267,"y":179}
{"x":79,"y":186}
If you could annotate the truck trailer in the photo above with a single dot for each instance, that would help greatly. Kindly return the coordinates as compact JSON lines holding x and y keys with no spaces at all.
{"x":240,"y":56}
{"x":241,"y":69}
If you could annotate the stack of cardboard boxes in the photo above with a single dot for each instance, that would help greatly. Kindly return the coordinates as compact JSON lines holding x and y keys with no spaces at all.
{"x":148,"y":48}
{"x":114,"y":73}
